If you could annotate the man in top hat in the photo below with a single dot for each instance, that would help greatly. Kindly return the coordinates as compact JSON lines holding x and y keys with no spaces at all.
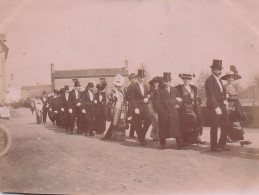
{"x":100,"y":118}
{"x":67,"y":110}
{"x":166,"y":102}
{"x":88,"y":109}
{"x":133,"y":81}
{"x":216,"y":103}
{"x":44,"y":108}
{"x":55,"y":107}
{"x":139,"y":99}
{"x":76,"y":106}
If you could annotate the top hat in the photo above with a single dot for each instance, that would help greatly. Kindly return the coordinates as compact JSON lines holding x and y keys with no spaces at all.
{"x":167,"y":76}
{"x":90,"y":85}
{"x":132,"y":75}
{"x":155,"y":80}
{"x":186,"y":75}
{"x":217,"y":64}
{"x":232,"y":72}
{"x":44,"y":92}
{"x":141,"y":73}
{"x":118,"y":80}
{"x":66,"y":87}
{"x":77,"y":83}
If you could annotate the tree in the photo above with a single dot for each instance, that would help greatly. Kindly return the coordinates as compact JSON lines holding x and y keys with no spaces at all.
{"x":200,"y":84}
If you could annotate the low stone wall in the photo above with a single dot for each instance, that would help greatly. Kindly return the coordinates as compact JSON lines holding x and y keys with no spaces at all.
{"x":251,"y":111}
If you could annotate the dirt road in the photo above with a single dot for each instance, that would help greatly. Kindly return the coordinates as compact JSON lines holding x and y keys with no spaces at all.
{"x":43,"y":159}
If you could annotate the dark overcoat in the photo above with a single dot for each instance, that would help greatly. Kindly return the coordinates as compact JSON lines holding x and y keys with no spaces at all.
{"x":168,"y":117}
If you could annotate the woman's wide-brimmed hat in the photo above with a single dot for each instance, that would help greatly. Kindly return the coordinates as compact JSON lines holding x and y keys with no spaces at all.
{"x":156,"y":80}
{"x":233,"y":72}
{"x":187,"y":75}
{"x":119,"y":80}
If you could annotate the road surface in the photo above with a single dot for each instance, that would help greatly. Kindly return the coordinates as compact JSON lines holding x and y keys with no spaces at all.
{"x":43,"y":159}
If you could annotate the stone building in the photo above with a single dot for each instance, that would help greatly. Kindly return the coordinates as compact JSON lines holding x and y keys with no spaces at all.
{"x":60,"y":78}
{"x":3,"y":56}
{"x":35,"y":90}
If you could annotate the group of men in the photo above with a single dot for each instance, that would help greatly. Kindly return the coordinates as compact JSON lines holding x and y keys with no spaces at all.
{"x":68,"y":109}
{"x":88,"y":108}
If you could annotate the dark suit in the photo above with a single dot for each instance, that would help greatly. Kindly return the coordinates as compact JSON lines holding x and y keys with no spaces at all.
{"x":68,"y":118}
{"x":215,"y":99}
{"x":130,"y":109}
{"x":168,"y":116}
{"x":77,"y":110}
{"x":89,"y":116}
{"x":55,"y":106}
{"x":137,"y":100}
{"x":100,"y":118}
{"x":44,"y":109}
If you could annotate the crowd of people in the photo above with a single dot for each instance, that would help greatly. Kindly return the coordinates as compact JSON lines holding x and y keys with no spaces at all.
{"x":173,"y":112}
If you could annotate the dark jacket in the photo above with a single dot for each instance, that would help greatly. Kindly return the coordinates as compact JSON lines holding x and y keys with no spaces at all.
{"x":137,"y":99}
{"x":168,"y":117}
{"x":128,"y":99}
{"x":215,"y":98}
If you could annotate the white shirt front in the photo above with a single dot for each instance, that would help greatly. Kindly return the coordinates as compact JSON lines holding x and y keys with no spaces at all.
{"x":219,"y":83}
{"x":141,"y":86}
{"x":76,"y":94}
{"x":91,"y":95}
{"x":44,"y":99}
{"x":67,"y":94}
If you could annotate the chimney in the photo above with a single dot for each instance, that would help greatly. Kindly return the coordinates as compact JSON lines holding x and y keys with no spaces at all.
{"x":126,"y":65}
{"x":52,"y":67}
{"x":52,"y":71}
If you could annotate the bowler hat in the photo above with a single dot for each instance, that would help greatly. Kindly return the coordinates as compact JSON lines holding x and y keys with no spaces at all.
{"x":155,"y":80}
{"x":167,"y":76}
{"x":141,"y":73}
{"x":90,"y":85}
{"x":132,"y":75}
{"x":77,"y":83}
{"x":187,"y":75}
{"x":44,"y":92}
{"x":100,"y":86}
{"x":66,"y":87}
{"x":217,"y":64}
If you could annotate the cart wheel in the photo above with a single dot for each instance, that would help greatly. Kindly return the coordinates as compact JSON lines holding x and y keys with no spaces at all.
{"x":5,"y":140}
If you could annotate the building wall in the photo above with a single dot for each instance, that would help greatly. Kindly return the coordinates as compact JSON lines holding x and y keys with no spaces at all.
{"x":37,"y":91}
{"x":60,"y":83}
{"x":2,"y":76}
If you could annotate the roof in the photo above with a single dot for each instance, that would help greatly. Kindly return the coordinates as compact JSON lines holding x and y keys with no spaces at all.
{"x":33,"y":87}
{"x":102,"y":72}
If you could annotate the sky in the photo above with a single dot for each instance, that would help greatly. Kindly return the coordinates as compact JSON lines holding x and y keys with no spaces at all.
{"x":167,"y":36}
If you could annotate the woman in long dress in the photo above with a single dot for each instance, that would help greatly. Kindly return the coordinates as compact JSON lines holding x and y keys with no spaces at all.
{"x":154,"y":85}
{"x":117,"y":128}
{"x":38,"y":109}
{"x":235,"y":110}
{"x":190,"y":112}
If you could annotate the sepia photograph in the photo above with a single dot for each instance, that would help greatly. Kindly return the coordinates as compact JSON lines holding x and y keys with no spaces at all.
{"x":129,"y":97}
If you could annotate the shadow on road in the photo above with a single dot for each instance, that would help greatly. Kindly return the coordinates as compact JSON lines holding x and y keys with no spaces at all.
{"x":235,"y":151}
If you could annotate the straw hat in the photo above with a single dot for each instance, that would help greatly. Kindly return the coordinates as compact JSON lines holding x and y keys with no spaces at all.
{"x":118,"y":80}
